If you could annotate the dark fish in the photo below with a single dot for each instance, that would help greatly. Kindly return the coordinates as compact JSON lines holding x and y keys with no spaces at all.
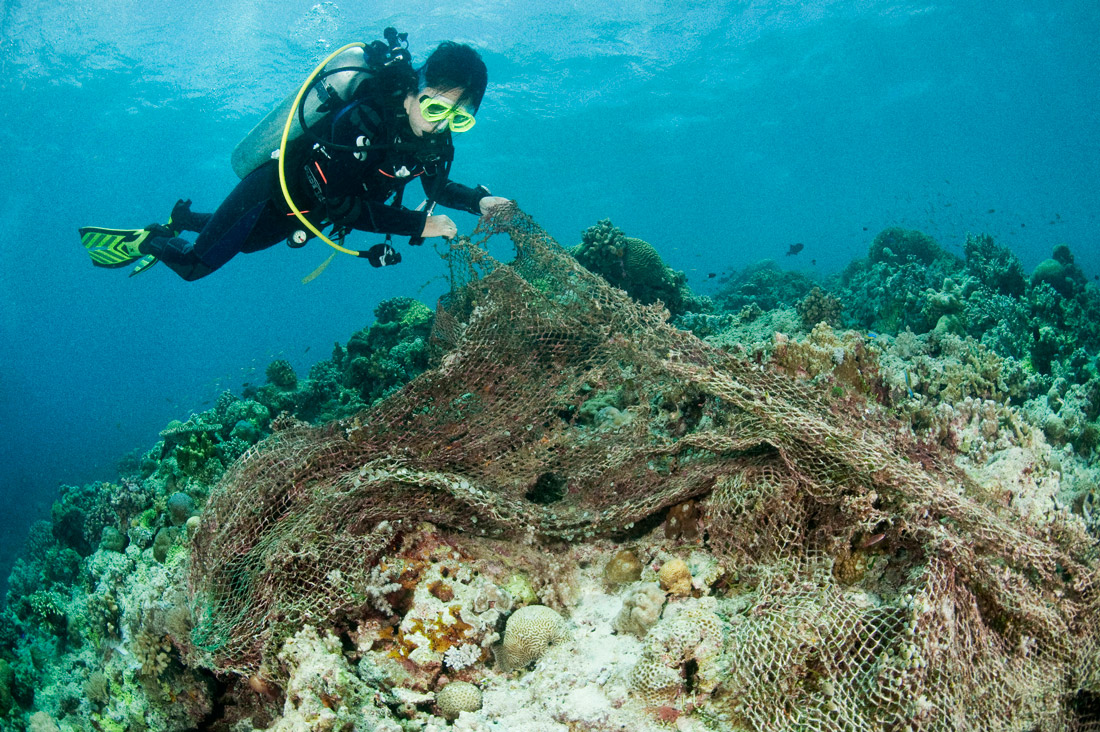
{"x":813,"y":262}
{"x":1022,"y":225}
{"x":992,"y":210}
{"x":865,"y":228}
{"x":711,"y":275}
{"x":795,"y":249}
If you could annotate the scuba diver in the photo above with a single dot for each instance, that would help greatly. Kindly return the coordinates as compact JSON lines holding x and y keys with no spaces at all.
{"x":339,"y":153}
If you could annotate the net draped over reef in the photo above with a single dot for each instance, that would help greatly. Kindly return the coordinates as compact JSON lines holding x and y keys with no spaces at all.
{"x":980,"y":618}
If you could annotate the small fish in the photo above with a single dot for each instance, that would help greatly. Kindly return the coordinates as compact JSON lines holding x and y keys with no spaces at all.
{"x":872,"y":540}
{"x":992,"y":210}
{"x":865,"y":228}
{"x":909,"y":386}
{"x":795,"y":248}
{"x":813,"y":262}
{"x":711,"y":275}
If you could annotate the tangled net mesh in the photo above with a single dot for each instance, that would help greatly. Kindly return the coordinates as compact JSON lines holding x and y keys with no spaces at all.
{"x":983,"y":620}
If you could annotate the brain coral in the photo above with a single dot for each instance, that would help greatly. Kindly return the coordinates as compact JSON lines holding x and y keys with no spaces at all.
{"x":528,"y":633}
{"x":643,"y":264}
{"x":457,"y":697}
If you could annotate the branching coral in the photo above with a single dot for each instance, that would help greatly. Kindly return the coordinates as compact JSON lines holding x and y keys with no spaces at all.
{"x":819,"y":307}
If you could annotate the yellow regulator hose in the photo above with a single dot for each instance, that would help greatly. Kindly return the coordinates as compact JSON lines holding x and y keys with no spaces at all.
{"x":282,"y":150}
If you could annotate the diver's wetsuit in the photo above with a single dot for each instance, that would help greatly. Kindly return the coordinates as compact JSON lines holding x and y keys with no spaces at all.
{"x":339,"y":186}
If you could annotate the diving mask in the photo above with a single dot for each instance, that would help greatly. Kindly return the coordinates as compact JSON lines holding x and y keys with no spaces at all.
{"x":436,"y":110}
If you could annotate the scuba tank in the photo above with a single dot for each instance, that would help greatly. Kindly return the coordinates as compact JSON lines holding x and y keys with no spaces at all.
{"x":342,"y":77}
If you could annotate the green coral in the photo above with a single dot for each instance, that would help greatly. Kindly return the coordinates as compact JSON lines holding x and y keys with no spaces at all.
{"x":392,"y":351}
{"x":47,"y":609}
{"x":7,"y":680}
{"x":1060,"y":272}
{"x":896,"y":245}
{"x":281,"y":374}
{"x":194,"y":444}
{"x":633,"y":265}
{"x":995,"y":266}
{"x":765,"y":286}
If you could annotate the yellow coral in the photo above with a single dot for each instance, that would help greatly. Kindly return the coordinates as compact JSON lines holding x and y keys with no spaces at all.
{"x":675,"y":577}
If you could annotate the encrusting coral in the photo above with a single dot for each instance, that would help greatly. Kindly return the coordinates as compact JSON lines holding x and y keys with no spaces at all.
{"x":689,"y":634}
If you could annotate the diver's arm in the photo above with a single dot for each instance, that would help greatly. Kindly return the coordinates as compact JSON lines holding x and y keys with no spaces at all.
{"x":477,"y":201}
{"x":454,"y":195}
{"x":376,"y":216}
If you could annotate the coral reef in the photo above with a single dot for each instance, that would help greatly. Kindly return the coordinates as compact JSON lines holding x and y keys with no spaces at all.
{"x":883,"y":492}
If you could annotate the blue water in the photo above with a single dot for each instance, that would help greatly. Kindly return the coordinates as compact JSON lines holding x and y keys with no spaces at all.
{"x":721,"y":133}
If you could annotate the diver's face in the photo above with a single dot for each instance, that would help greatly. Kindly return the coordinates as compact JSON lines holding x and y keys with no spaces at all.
{"x":421,"y":126}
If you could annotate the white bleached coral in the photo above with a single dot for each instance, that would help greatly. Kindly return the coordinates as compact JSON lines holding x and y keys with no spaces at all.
{"x":642,"y":605}
{"x":323,"y":693}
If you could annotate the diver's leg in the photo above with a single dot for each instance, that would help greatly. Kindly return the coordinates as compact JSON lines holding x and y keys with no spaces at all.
{"x":226,"y":232}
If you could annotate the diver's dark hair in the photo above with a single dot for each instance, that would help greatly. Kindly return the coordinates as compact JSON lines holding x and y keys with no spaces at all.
{"x":456,"y":66}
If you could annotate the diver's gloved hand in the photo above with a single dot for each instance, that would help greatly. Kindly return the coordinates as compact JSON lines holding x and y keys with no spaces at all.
{"x":439,"y":226}
{"x":488,"y":203}
{"x":383,"y":255}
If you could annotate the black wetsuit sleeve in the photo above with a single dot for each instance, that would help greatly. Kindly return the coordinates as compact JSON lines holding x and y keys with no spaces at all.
{"x":385,"y":219}
{"x":454,"y":195}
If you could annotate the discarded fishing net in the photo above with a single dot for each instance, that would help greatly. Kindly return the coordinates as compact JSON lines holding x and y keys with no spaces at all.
{"x":561,"y":409}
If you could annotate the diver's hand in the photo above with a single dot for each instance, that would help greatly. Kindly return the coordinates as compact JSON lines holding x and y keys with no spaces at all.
{"x":439,"y":226}
{"x":488,"y":203}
